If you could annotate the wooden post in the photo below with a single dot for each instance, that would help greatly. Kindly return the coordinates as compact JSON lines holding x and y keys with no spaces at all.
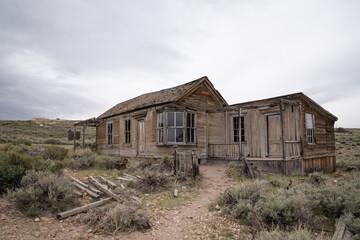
{"x":282,"y":136}
{"x":175,"y":159}
{"x":74,"y":138}
{"x":239,"y":134}
{"x":83,"y":138}
{"x":83,"y":208}
{"x":195,"y":163}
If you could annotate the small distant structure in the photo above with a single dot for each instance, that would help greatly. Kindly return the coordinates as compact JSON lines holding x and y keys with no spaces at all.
{"x":71,"y":134}
{"x":92,"y":122}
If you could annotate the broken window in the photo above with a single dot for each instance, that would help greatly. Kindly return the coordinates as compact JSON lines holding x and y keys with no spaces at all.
{"x":190,"y":122}
{"x":175,"y":127}
{"x":161,"y":128}
{"x":127,"y":131}
{"x":310,"y":128}
{"x":238,"y":132}
{"x":109,"y":133}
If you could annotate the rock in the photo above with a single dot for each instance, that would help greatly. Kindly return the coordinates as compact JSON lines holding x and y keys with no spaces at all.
{"x":339,"y":175}
{"x":334,"y":181}
{"x":264,"y":181}
{"x":37,"y":219}
{"x":37,"y":234}
{"x":218,"y":207}
{"x":198,"y":233}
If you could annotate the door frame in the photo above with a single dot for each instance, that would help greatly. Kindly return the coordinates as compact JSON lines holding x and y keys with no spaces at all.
{"x":268,"y":138}
{"x":139,"y":121}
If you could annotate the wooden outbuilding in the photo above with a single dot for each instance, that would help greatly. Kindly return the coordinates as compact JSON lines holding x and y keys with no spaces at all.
{"x":288,"y":134}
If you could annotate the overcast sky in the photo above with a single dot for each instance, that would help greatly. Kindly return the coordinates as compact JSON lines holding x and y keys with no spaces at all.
{"x":75,"y":59}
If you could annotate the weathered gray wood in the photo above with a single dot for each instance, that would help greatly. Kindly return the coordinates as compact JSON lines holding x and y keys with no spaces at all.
{"x":104,"y":189}
{"x":249,"y":167}
{"x":125,"y":179}
{"x":91,"y":193}
{"x":86,"y":185}
{"x":83,"y":138}
{"x":108,"y":182}
{"x":176,"y":192}
{"x":83,"y":208}
{"x":122,"y":186}
{"x":130,"y":177}
{"x":340,"y":228}
{"x":79,"y":194}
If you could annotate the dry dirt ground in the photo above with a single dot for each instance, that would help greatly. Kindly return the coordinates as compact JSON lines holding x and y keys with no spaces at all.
{"x":191,"y":221}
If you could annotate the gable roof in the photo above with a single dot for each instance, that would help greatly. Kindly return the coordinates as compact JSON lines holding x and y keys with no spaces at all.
{"x":290,"y":96}
{"x":169,"y":95}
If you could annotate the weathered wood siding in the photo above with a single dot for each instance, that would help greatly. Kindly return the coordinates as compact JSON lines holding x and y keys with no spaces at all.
{"x":200,"y":100}
{"x":321,"y":155}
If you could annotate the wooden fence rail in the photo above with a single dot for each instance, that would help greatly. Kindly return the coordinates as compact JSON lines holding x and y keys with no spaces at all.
{"x":224,"y":150}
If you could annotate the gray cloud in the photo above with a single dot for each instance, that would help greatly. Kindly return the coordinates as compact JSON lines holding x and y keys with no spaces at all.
{"x":75,"y":59}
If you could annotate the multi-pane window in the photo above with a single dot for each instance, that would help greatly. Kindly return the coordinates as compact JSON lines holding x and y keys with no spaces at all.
{"x":127,"y":131}
{"x":310,"y":128}
{"x":161,"y":127}
{"x":175,"y":127}
{"x":237,"y":131}
{"x":109,"y":133}
{"x":190,"y":122}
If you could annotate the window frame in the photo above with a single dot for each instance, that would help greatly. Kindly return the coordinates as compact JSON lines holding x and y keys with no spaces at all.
{"x":162,"y":131}
{"x":190,"y":128}
{"x":175,"y":127}
{"x":127,"y":132}
{"x":239,"y":131}
{"x":310,"y":131}
{"x":109,"y":143}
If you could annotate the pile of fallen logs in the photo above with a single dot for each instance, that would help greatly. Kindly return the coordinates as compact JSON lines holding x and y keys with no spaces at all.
{"x":101,"y":186}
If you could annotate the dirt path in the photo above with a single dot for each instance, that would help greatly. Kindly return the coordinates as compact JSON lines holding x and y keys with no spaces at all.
{"x":185,"y":222}
{"x":178,"y":221}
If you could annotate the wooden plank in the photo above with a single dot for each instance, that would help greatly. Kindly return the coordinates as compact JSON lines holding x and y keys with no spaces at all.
{"x":85,"y":185}
{"x":282,"y":134}
{"x":74,"y":211}
{"x":340,"y":228}
{"x":91,"y":193}
{"x":108,"y":182}
{"x":104,"y":189}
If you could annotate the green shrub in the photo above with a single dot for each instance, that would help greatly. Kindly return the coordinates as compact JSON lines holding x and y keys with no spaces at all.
{"x":55,"y":153}
{"x":287,"y":208}
{"x":277,"y":234}
{"x":151,"y":182}
{"x":41,"y":191}
{"x":107,"y":162}
{"x":82,"y":159}
{"x":240,"y":202}
{"x":352,"y":223}
{"x":13,"y":166}
{"x":318,"y":178}
{"x":52,"y":141}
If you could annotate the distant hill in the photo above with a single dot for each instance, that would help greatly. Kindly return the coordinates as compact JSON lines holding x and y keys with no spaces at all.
{"x":40,"y":131}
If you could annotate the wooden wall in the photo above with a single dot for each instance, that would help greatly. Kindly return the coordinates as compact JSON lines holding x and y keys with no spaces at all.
{"x":200,"y":100}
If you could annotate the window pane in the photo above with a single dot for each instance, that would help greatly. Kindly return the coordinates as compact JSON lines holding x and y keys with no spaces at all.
{"x":179,"y":119}
{"x":170,"y":119}
{"x":171,"y":135}
{"x":160,"y":120}
{"x":309,"y":121}
{"x":161,"y":135}
{"x":192,"y":138}
{"x":179,"y":134}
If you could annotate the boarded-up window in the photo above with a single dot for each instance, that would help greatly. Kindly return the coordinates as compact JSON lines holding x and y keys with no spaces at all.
{"x":190,"y":123}
{"x":127,"y":131}
{"x":310,"y":128}
{"x":109,"y":133}
{"x":237,"y":131}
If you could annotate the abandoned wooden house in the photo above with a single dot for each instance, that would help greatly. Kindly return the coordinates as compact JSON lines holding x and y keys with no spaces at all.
{"x":288,"y":134}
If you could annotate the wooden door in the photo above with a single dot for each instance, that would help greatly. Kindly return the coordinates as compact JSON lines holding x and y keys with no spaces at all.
{"x":274,"y":136}
{"x":141,"y":137}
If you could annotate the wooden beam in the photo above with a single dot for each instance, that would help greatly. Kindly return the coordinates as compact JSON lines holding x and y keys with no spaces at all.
{"x":74,"y":138}
{"x":83,"y":208}
{"x":91,"y":193}
{"x":282,"y":135}
{"x":104,"y":189}
{"x":85,"y":185}
{"x":83,"y":137}
{"x":108,"y":182}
